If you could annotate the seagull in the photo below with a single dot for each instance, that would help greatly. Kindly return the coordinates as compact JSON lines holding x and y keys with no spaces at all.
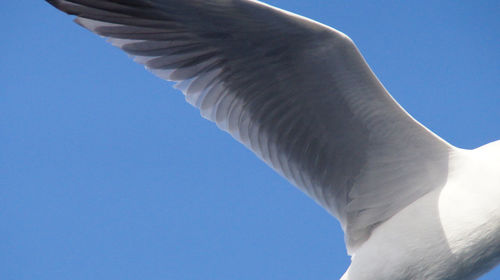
{"x":300,"y":95}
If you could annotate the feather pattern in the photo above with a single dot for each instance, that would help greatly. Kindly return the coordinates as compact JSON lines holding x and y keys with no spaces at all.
{"x":297,"y":93}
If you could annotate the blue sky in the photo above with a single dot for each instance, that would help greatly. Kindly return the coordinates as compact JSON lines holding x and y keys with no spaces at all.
{"x":106,"y":173}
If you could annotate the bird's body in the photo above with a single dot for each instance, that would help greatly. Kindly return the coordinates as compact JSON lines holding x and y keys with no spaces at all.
{"x":450,"y":233}
{"x":300,"y":95}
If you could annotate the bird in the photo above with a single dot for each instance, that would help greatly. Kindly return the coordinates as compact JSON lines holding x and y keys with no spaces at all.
{"x":300,"y":95}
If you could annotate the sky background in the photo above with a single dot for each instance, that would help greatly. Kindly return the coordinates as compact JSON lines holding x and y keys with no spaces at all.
{"x":107,"y":173}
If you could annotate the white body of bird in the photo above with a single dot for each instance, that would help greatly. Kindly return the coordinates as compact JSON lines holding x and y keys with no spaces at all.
{"x":450,"y":233}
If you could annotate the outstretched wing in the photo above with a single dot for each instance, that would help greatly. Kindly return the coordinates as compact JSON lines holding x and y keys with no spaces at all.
{"x":296,"y":92}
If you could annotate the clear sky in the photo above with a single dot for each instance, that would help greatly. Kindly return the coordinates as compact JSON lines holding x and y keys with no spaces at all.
{"x":106,"y":173}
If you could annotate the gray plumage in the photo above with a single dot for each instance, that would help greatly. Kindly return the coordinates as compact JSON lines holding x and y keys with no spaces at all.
{"x":297,"y":93}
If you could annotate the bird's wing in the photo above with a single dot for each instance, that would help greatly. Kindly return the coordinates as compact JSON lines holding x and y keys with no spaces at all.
{"x":297,"y":93}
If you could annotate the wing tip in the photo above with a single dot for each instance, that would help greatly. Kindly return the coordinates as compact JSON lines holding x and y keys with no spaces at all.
{"x":54,"y":3}
{"x":58,"y":4}
{"x":64,"y":6}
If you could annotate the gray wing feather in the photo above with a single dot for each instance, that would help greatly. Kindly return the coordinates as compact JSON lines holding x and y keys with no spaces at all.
{"x":297,"y":93}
